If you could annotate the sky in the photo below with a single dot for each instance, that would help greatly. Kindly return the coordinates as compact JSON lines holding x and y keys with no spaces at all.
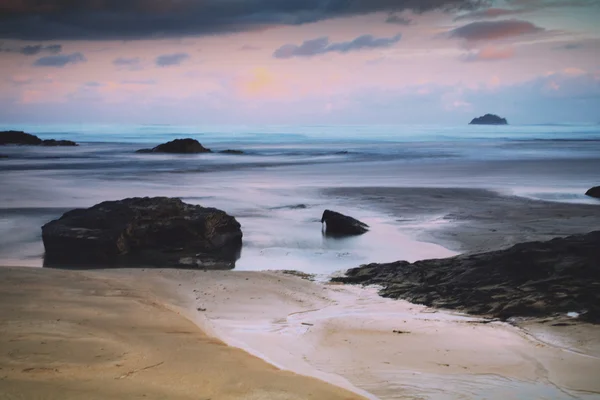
{"x":299,"y":61}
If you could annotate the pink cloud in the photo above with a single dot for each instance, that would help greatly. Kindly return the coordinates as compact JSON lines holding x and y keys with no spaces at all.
{"x":490,"y":53}
{"x":494,"y":30}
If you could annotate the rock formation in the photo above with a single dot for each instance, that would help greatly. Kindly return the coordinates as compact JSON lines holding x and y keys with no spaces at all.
{"x":529,"y":279}
{"x":157,"y":231}
{"x":594,"y":192}
{"x":337,"y":224}
{"x":236,"y":152}
{"x":178,"y":146}
{"x":22,"y":138}
{"x":489,"y":119}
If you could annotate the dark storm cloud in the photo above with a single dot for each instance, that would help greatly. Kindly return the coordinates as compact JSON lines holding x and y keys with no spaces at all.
{"x":60,"y":61}
{"x":493,"y":30}
{"x":491,"y":13}
{"x":32,"y":50}
{"x":168,"y":60}
{"x":321,"y":46}
{"x":135,"y":19}
{"x":398,"y":20}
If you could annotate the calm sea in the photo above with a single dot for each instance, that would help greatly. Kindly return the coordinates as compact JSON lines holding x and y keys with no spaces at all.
{"x":282,"y":167}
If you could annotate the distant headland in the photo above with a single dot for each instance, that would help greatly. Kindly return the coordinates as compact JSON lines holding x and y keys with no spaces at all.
{"x":489,"y":119}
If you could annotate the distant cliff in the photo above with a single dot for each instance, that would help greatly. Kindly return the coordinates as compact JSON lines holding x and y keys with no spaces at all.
{"x":489,"y":119}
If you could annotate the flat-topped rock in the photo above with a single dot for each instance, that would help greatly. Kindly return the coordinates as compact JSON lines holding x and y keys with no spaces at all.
{"x":594,"y":192}
{"x":489,"y":119}
{"x":337,"y":224}
{"x":156,"y":231}
{"x":178,"y":146}
{"x":27,"y":139}
{"x":538,"y":279}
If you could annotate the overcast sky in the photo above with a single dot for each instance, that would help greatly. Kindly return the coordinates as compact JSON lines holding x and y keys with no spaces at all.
{"x":299,"y":61}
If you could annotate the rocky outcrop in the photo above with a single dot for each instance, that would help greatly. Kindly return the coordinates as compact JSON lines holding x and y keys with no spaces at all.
{"x":337,"y":224}
{"x":594,"y":192}
{"x":22,"y":138}
{"x":157,"y":231}
{"x":178,"y":146}
{"x":529,"y":279}
{"x":489,"y":119}
{"x":52,"y":142}
{"x":236,"y":152}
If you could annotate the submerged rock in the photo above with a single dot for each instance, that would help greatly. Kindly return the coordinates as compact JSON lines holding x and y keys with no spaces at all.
{"x":236,"y":152}
{"x":22,"y":138}
{"x":337,"y":224}
{"x":52,"y":142}
{"x":156,"y":231}
{"x":489,"y":119}
{"x":594,"y":192}
{"x":178,"y":146}
{"x":529,"y":279}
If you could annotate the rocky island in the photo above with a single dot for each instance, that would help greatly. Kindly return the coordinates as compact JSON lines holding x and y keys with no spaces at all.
{"x":145,"y":231}
{"x":27,"y":139}
{"x":533,"y":279}
{"x":489,"y":119}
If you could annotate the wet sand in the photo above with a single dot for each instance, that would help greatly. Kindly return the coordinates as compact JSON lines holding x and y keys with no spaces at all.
{"x":86,"y":335}
{"x":473,"y":220}
{"x":351,"y":337}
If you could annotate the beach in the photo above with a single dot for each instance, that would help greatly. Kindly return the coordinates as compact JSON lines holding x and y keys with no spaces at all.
{"x":259,"y":332}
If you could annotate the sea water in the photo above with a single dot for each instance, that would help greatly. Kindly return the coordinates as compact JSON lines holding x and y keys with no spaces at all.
{"x":275,"y":188}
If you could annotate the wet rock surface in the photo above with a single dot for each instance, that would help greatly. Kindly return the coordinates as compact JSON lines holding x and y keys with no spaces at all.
{"x":156,"y":231}
{"x":530,"y":279}
{"x":594,"y":192}
{"x":337,"y":224}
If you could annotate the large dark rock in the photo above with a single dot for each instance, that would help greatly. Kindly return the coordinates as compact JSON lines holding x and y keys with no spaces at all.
{"x":18,"y":137}
{"x":178,"y":146}
{"x":22,"y":138}
{"x":52,"y":142}
{"x":594,"y":192}
{"x":489,"y":119}
{"x":337,"y":224}
{"x":157,"y":231}
{"x":529,"y":279}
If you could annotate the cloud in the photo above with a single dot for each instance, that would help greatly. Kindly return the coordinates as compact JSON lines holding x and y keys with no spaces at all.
{"x":60,"y":61}
{"x":493,"y":30}
{"x":398,"y":20}
{"x":135,"y":19}
{"x":569,"y":46}
{"x":489,"y":53}
{"x":31,"y":50}
{"x":167,"y":60}
{"x":491,"y":13}
{"x":126,"y":62}
{"x":139,"y":82}
{"x":321,"y":46}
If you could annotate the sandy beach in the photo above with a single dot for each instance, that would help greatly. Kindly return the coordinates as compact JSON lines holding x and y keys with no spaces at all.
{"x":86,"y":335}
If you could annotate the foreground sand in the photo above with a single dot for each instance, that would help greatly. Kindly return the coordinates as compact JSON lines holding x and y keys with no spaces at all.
{"x":350,"y":336}
{"x":85,"y":335}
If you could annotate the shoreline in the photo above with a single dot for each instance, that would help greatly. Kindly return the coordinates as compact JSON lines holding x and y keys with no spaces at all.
{"x":353,"y":339}
{"x":328,"y":331}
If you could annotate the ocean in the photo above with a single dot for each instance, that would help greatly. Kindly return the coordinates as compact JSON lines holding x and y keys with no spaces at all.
{"x":275,"y":189}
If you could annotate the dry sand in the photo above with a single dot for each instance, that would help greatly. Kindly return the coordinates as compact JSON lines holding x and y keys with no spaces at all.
{"x":85,"y":335}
